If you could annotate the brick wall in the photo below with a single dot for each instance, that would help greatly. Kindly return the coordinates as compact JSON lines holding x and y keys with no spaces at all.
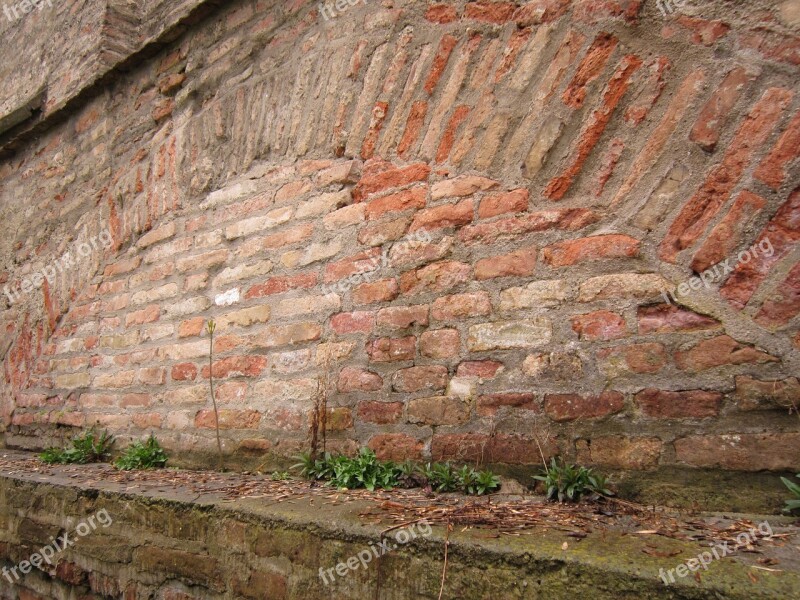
{"x":467,"y":219}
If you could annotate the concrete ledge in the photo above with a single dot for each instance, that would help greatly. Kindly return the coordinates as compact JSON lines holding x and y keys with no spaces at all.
{"x":171,"y":542}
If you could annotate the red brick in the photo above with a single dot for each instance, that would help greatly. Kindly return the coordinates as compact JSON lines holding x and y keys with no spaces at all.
{"x":484,"y":369}
{"x":651,"y":91}
{"x":236,"y":366}
{"x":704,"y":31}
{"x":782,"y":234}
{"x":619,"y":452}
{"x":596,"y":247}
{"x":151,"y":376}
{"x":289,"y":236}
{"x":280,"y":284}
{"x":444,"y":215}
{"x":666,"y":318}
{"x":703,"y":206}
{"x":594,"y":11}
{"x":515,"y":44}
{"x":379,"y":176}
{"x":146,"y":315}
{"x":754,"y":394}
{"x":363,"y":262}
{"x":589,"y":69}
{"x":638,"y":358}
{"x":416,"y":119}
{"x":353,"y":322}
{"x":520,"y":263}
{"x":784,"y":304}
{"x":568,"y":407}
{"x":599,"y":325}
{"x":376,"y":124}
{"x":607,"y":165}
{"x":380,"y":233}
{"x":409,"y":199}
{"x":502,"y":203}
{"x":402,"y":317}
{"x":772,"y":45}
{"x":440,"y":343}
{"x":719,"y":351}
{"x":441,"y":13}
{"x":438,"y":410}
{"x":570,"y":219}
{"x":392,"y":349}
{"x":772,"y":170}
{"x":596,"y":125}
{"x":718,"y":109}
{"x":123,"y":266}
{"x":490,"y":12}
{"x":461,"y":306}
{"x":396,"y":446}
{"x":727,"y":234}
{"x":489,"y":404}
{"x":383,"y":290}
{"x":741,"y":451}
{"x":184,"y":372}
{"x":353,"y":379}
{"x":228,"y":419}
{"x":191,"y":327}
{"x":381,"y":413}
{"x":437,"y":277}
{"x":662,"y":404}
{"x":449,"y":135}
{"x":540,"y":11}
{"x":416,"y":379}
{"x":446,"y":46}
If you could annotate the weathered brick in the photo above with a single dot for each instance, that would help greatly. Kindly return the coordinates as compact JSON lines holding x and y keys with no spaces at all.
{"x":597,"y":247}
{"x":520,"y":263}
{"x":719,"y":351}
{"x":484,"y":369}
{"x":506,"y":335}
{"x":396,"y":446}
{"x":353,"y":322}
{"x":620,"y":452}
{"x":438,"y":410}
{"x":402,"y":317}
{"x":662,"y":404}
{"x":416,"y":379}
{"x":599,"y":325}
{"x":667,"y":318}
{"x":228,"y":419}
{"x":353,"y":379}
{"x":715,"y":113}
{"x":636,"y":358}
{"x":444,"y":215}
{"x":392,"y":349}
{"x":741,"y":452}
{"x":502,"y":203}
{"x":488,"y":404}
{"x":461,"y":306}
{"x":383,"y":290}
{"x":437,"y":277}
{"x":440,"y":343}
{"x":569,"y":407}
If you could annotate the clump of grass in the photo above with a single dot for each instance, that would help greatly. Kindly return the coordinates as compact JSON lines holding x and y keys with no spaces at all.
{"x":792,"y":504}
{"x":86,"y":448}
{"x":280,"y":476}
{"x":142,"y":455}
{"x":570,"y":483}
{"x":366,"y":471}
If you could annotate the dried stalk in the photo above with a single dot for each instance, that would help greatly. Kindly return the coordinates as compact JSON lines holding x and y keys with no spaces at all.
{"x":211,"y":326}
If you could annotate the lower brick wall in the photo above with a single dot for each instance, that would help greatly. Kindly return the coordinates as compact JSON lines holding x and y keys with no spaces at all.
{"x":468,"y":342}
{"x":164,"y":542}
